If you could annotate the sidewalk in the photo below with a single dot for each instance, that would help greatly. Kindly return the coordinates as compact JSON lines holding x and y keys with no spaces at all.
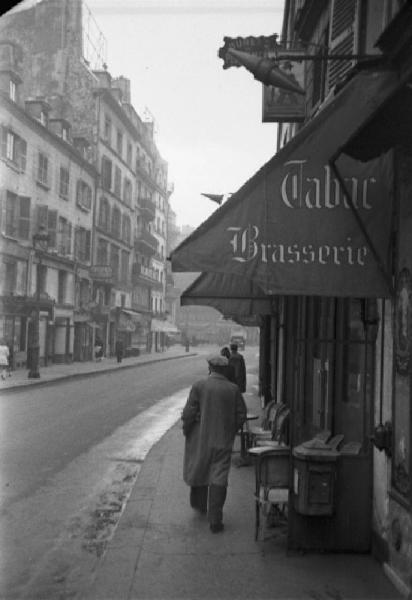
{"x":163,"y":550}
{"x":53,"y":373}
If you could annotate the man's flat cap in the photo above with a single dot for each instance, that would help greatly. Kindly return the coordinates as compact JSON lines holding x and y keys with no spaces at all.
{"x":216,"y":360}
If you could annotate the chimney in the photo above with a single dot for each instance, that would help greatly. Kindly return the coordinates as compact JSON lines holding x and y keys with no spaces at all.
{"x":104,"y":79}
{"x":39,"y":109}
{"x":124,"y":85}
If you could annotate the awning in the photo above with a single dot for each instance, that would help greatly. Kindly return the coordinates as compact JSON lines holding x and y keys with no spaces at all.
{"x":290,"y":229}
{"x":233,"y":296}
{"x":129,"y":319}
{"x":137,"y":317}
{"x":163,"y":326}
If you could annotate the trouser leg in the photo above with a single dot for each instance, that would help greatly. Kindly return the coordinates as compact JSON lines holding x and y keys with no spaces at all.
{"x":198,"y":497}
{"x":217,"y":497}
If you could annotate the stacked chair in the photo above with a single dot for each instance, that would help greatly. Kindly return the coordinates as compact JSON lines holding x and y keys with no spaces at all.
{"x":268,"y":444}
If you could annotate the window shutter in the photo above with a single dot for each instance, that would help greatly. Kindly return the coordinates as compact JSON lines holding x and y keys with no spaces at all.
{"x":42,"y":216}
{"x":52,"y":227}
{"x":24,"y":218}
{"x":3,"y":141}
{"x":69,"y":238}
{"x":11,"y":214}
{"x":87,"y":244}
{"x":343,"y":37}
{"x":21,"y":154}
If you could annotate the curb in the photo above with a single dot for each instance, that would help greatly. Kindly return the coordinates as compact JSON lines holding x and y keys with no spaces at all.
{"x":43,"y":382}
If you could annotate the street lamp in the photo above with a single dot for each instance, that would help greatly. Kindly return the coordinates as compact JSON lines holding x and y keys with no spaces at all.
{"x":40,"y":244}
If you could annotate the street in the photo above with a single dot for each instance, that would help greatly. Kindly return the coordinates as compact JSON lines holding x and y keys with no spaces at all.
{"x":71,"y":452}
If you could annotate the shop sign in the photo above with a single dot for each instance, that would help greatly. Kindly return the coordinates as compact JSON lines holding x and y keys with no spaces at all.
{"x":258,"y":46}
{"x":278,"y":104}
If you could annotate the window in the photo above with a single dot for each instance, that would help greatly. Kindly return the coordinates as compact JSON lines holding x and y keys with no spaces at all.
{"x":43,"y":118}
{"x":12,"y":90}
{"x":127,"y":191}
{"x":42,"y":279}
{"x":125,"y":267}
{"x":65,"y":134}
{"x":43,"y":169}
{"x":107,"y":133}
{"x":83,"y":195}
{"x":117,"y":181}
{"x":64,"y":237}
{"x":47,"y":219}
{"x":17,"y":221}
{"x":104,"y":213}
{"x":13,"y":148}
{"x":126,"y":229}
{"x":106,"y":173}
{"x":82,"y":244}
{"x":116,"y":222}
{"x":119,"y":142}
{"x":114,"y":262}
{"x":102,"y":252}
{"x":320,"y":70}
{"x":62,"y":287}
{"x":129,"y":154}
{"x":64,"y":183}
{"x":10,"y":277}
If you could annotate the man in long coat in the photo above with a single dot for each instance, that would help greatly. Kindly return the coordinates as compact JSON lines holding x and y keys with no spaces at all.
{"x":237,"y":363}
{"x":214,"y":412}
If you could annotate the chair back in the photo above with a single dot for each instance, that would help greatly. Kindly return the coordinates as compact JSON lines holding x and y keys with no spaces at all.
{"x":280,"y":427}
{"x":273,"y":471}
{"x":269,"y":415}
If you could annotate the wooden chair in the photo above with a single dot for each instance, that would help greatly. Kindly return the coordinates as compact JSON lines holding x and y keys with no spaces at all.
{"x":264,"y":431}
{"x":272,"y":474}
{"x":279,"y":434}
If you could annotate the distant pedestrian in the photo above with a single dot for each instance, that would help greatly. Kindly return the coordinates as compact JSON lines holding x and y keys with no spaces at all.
{"x":4,"y":358}
{"x":237,"y":361}
{"x":11,"y":359}
{"x":119,"y":350}
{"x":98,"y":350}
{"x":229,"y":370}
{"x":214,"y":412}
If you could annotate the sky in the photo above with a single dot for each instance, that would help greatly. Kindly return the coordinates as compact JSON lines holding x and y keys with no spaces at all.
{"x":208,"y":120}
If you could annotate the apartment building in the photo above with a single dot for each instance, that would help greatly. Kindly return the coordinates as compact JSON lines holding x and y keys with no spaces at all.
{"x":46,"y":184}
{"x":128,"y":218}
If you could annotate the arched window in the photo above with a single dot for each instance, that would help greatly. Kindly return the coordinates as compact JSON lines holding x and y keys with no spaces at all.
{"x":126,"y":229}
{"x":116,"y":222}
{"x":104,"y":213}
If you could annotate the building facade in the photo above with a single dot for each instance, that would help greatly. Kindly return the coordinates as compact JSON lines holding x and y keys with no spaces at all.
{"x":120,"y":230}
{"x":330,"y":259}
{"x":46,"y":184}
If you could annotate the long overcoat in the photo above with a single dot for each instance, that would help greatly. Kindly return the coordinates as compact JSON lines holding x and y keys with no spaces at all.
{"x":214,"y":412}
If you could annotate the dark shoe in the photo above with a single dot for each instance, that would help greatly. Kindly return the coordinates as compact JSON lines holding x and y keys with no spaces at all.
{"x":198,"y":498}
{"x":216,"y":527}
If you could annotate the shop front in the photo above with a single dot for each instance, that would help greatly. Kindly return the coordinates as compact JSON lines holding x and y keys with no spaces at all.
{"x":17,"y":314}
{"x":133,"y":328}
{"x":313,"y":230}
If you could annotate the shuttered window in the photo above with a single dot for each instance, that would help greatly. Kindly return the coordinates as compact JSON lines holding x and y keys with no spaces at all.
{"x":343,"y":37}
{"x":47,"y":219}
{"x":13,"y":148}
{"x":106,"y":173}
{"x":82,"y":241}
{"x":17,"y":218}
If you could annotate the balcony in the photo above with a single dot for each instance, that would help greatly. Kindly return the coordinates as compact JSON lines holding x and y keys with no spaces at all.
{"x":101,"y":273}
{"x":146,"y":275}
{"x":146,"y":243}
{"x":148,"y":209}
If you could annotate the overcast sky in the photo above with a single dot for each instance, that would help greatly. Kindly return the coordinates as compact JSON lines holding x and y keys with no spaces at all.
{"x":209,"y":125}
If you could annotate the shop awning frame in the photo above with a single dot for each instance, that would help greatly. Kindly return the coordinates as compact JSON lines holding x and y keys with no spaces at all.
{"x":368,"y":91}
{"x":232,"y":296}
